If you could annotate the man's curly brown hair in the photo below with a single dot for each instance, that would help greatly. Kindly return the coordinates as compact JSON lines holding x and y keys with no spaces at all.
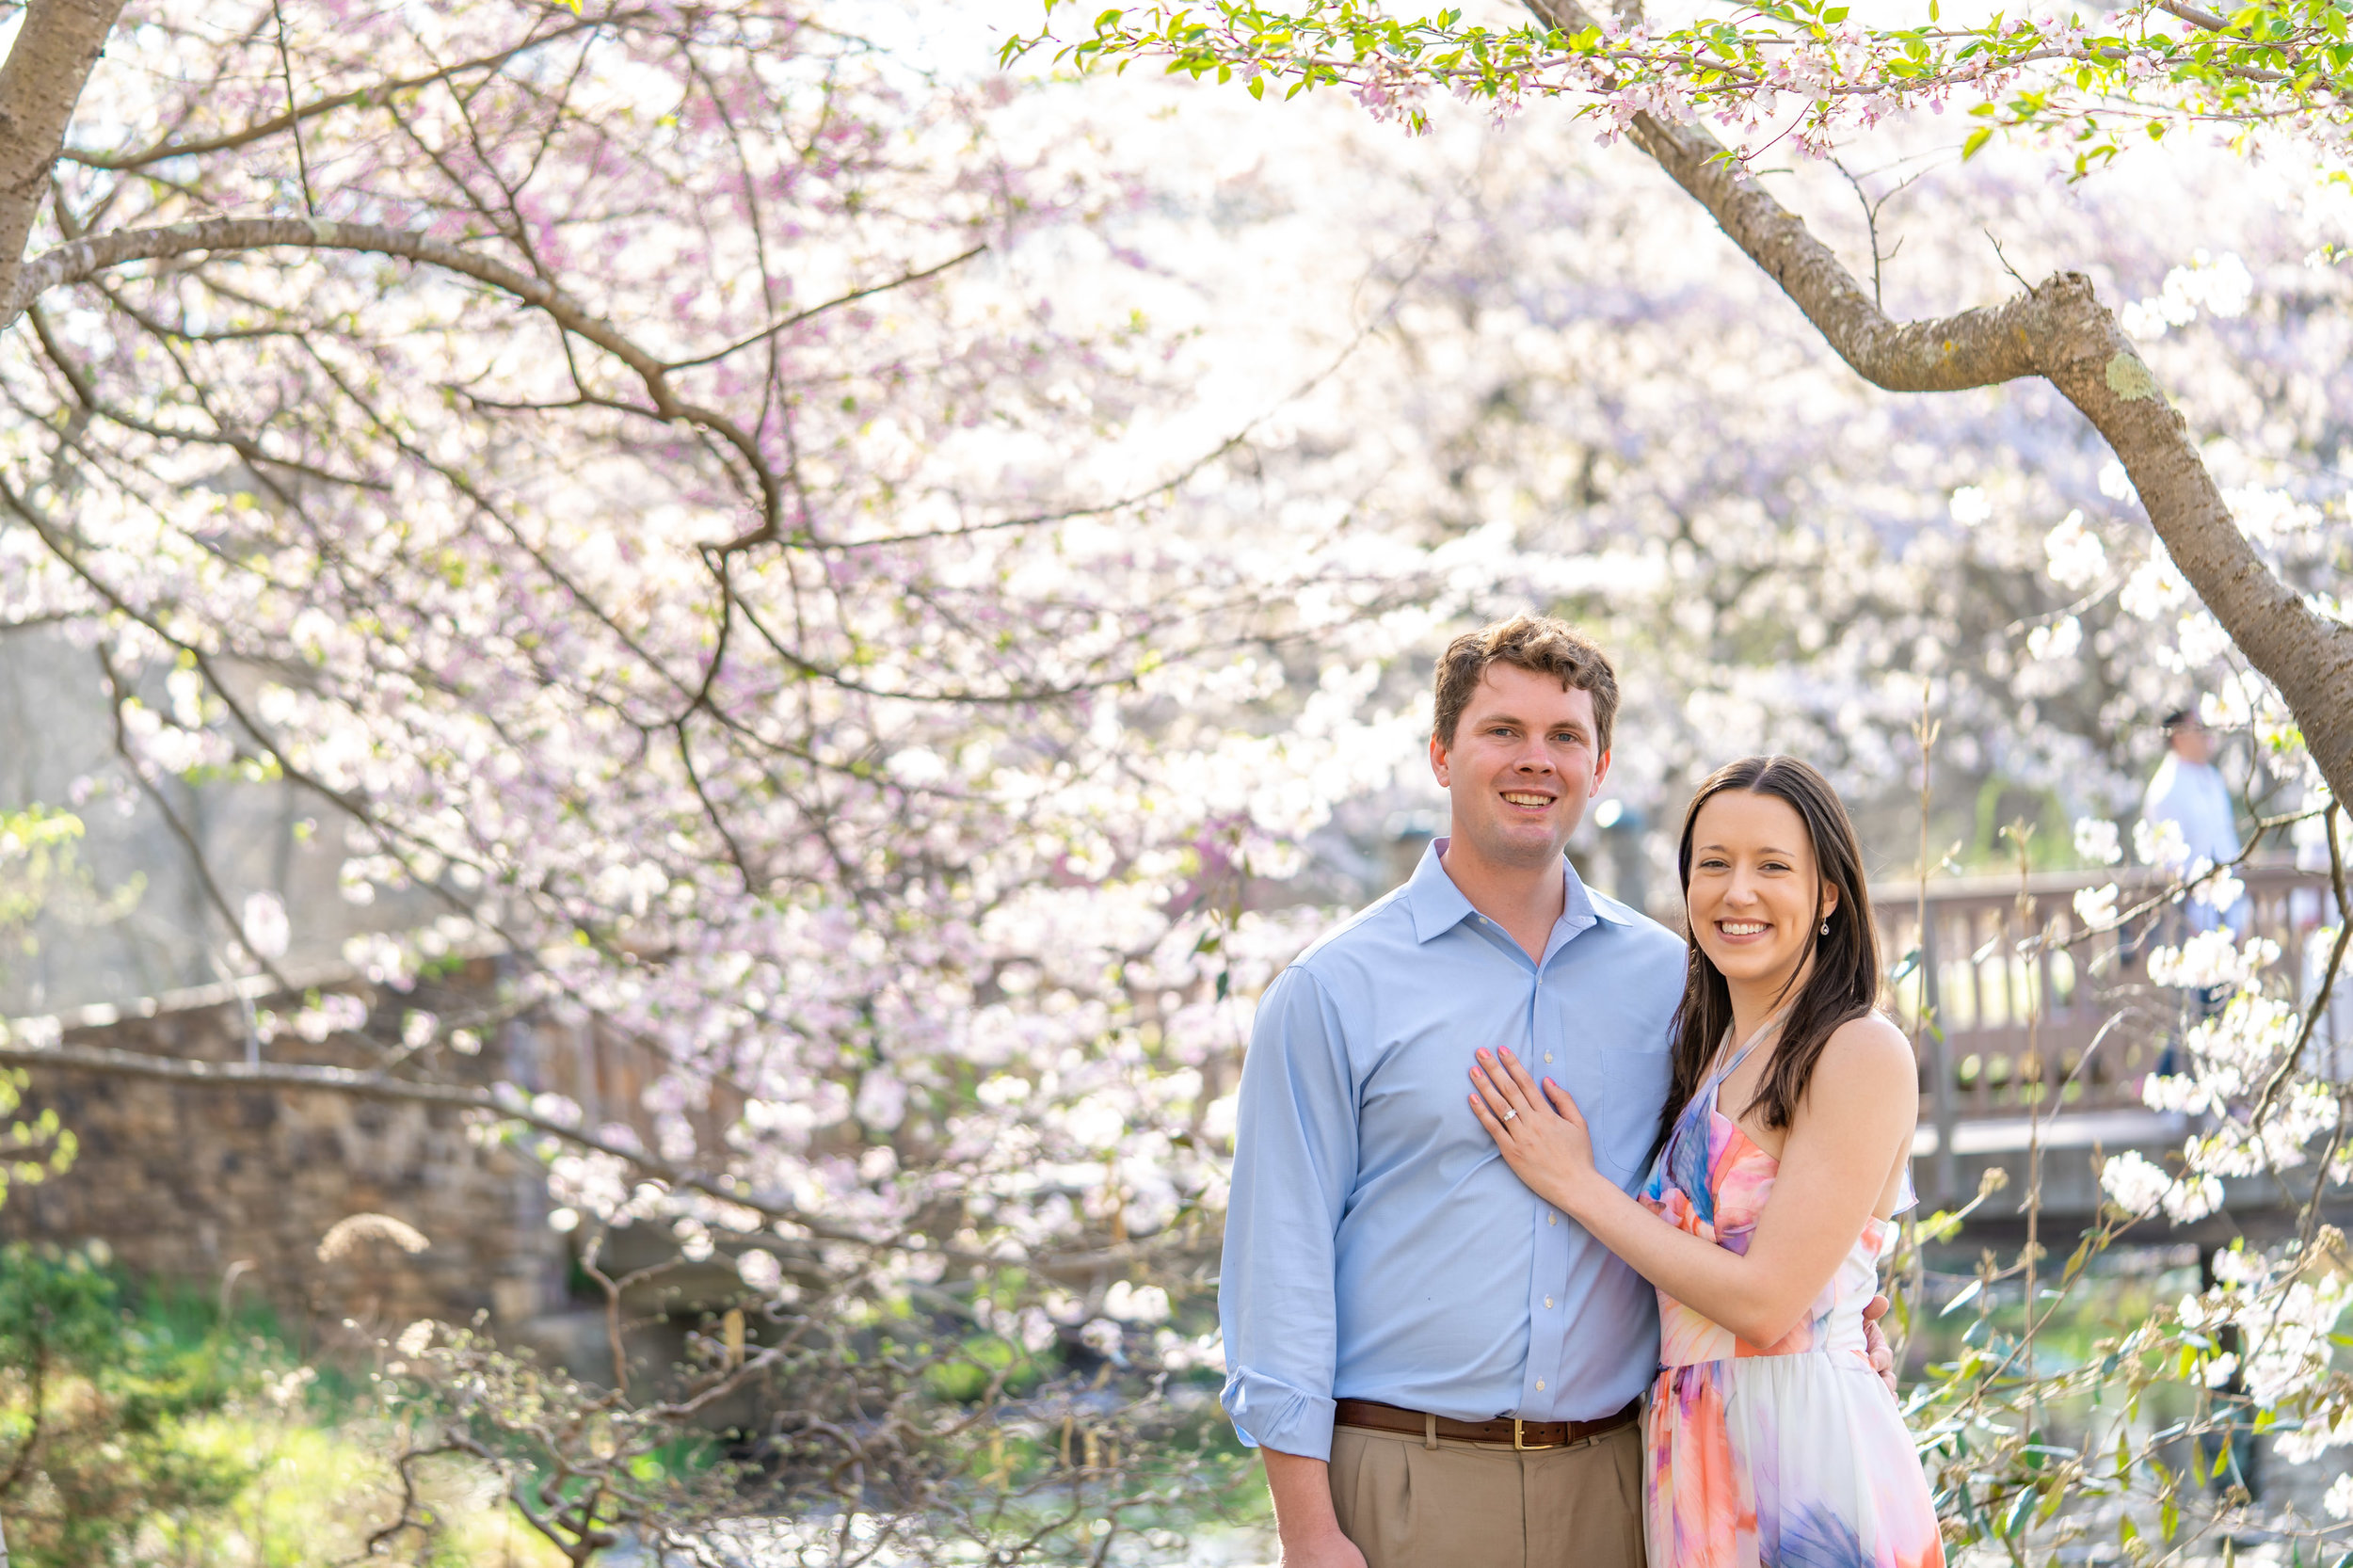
{"x":1536,"y":643}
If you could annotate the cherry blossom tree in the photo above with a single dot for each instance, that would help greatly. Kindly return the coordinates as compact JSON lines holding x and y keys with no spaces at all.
{"x":621,"y":468}
{"x":2157,"y":66}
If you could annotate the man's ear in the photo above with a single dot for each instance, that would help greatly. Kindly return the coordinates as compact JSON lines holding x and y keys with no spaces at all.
{"x":1601,"y":771}
{"x":1437,"y":761}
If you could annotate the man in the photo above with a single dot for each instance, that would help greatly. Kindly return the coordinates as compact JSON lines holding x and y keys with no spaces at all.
{"x":1440,"y":1368}
{"x":2188,"y":791}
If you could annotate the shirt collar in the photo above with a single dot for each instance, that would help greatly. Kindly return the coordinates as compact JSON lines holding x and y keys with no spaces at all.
{"x":1437,"y":906}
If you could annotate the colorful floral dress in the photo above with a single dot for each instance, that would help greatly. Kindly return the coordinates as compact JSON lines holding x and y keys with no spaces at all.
{"x":1792,"y":1456}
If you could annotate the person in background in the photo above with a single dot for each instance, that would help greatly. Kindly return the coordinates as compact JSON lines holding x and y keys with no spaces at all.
{"x":2188,"y":792}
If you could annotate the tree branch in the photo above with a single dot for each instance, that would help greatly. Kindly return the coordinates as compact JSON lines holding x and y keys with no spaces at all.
{"x":114,"y":1063}
{"x":2194,"y":15}
{"x":375,"y":93}
{"x":80,"y":260}
{"x":788,"y":323}
{"x":2061,"y":332}
{"x":56,"y":48}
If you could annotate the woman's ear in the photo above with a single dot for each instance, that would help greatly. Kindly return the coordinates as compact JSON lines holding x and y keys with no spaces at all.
{"x":1830,"y":899}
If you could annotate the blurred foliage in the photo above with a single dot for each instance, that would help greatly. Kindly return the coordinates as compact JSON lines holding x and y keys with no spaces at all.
{"x":864,"y":1422}
{"x":94,"y":1401}
{"x":139,"y":1424}
{"x":36,"y":857}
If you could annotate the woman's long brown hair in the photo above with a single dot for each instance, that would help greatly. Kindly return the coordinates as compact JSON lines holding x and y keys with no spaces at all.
{"x":1843,"y":979}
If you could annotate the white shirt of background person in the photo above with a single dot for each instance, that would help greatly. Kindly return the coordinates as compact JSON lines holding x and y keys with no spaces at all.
{"x":2189,"y":792}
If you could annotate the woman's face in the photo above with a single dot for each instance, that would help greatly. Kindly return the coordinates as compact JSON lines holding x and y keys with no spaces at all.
{"x":1756,"y":892}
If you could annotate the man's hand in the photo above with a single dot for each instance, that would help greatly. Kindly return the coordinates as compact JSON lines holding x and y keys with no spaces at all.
{"x":1329,"y":1551}
{"x":1875,"y":1343}
{"x":1302,"y":1513}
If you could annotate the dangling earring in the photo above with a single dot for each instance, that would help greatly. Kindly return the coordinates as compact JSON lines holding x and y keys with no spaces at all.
{"x":1826,"y":928}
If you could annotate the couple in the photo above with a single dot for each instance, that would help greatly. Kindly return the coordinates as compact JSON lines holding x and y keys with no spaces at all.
{"x":1511,"y":1155}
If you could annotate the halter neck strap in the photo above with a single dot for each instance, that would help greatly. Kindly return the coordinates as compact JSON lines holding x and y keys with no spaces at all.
{"x":1762,"y":1031}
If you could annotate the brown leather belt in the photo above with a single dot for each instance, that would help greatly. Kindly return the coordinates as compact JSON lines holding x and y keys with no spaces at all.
{"x":1376,"y":1416}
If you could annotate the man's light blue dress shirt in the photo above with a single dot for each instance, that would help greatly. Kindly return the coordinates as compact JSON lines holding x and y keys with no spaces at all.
{"x":1377,"y":1246}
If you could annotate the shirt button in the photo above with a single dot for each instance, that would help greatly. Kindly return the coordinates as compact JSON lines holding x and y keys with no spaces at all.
{"x":1547,"y":1302}
{"x":1552,"y":1219}
{"x":1548,"y":1056}
{"x":1539,"y":1386}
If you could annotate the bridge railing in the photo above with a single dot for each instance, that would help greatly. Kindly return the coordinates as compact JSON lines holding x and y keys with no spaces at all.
{"x":2012,"y":1031}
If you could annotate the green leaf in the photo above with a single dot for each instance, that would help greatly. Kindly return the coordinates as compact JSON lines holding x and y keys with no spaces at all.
{"x":1977,"y":139}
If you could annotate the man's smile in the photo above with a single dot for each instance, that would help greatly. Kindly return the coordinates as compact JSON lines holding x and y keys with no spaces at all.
{"x":1527,"y":797}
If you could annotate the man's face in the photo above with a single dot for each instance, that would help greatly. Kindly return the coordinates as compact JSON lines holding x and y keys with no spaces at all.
{"x":1522,"y":767}
{"x":2193,"y":742}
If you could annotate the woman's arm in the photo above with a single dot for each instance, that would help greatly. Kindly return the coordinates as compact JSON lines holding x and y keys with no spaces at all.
{"x":1858,"y":1112}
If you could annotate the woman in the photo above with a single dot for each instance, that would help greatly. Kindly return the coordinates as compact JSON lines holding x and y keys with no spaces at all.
{"x":1786,"y":1153}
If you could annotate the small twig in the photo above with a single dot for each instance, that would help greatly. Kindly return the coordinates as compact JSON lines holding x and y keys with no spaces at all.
{"x":294,"y":112}
{"x":2280,"y":1075}
{"x":2005,"y":260}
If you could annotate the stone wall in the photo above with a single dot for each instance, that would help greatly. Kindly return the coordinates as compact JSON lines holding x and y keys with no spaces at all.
{"x":189,"y":1181}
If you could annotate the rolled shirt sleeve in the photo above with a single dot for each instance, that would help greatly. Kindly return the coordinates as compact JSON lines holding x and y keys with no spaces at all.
{"x":1294,"y":1160}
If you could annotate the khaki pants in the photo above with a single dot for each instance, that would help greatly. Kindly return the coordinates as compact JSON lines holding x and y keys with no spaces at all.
{"x":1476,"y":1505}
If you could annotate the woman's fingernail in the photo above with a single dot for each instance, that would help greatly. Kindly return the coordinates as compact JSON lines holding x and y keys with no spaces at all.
{"x":1507,"y":1053}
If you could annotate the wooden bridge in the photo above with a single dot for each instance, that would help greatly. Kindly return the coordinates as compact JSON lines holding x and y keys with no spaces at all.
{"x":2054,"y":1048}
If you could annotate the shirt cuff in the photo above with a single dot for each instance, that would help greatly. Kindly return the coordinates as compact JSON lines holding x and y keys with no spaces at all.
{"x":1268,"y":1413}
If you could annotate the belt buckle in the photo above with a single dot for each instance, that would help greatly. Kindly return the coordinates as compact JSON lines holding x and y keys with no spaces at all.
{"x":1519,"y":1442}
